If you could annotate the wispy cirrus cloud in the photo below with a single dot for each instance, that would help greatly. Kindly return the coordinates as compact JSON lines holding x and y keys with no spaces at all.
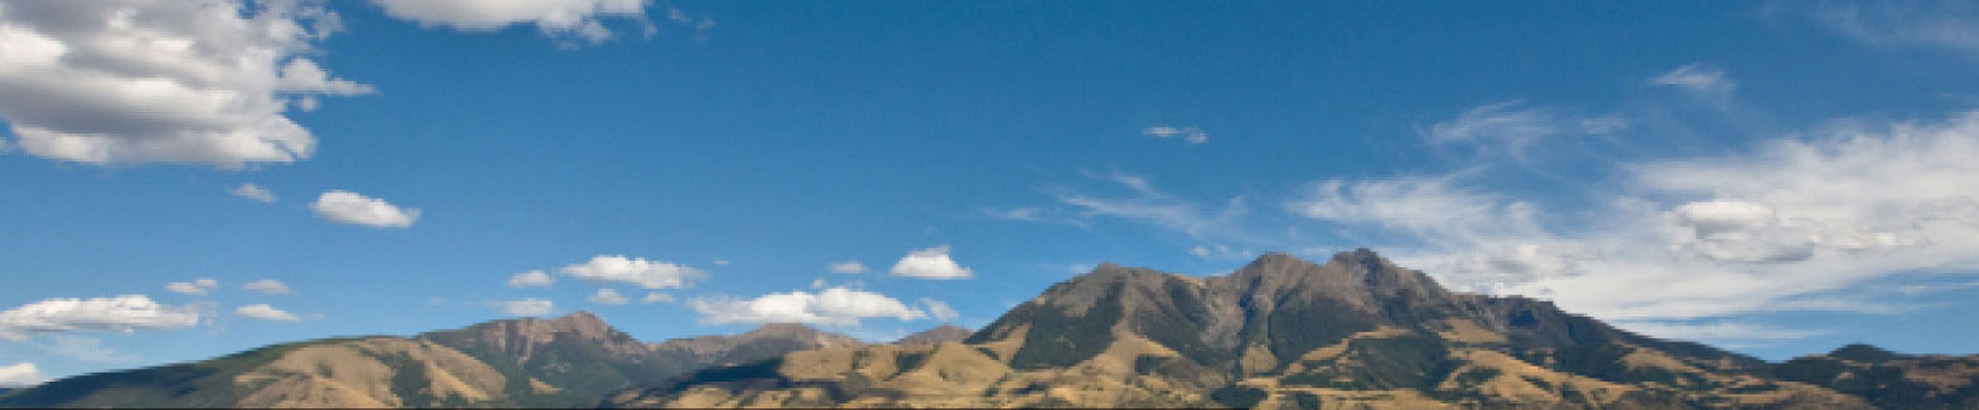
{"x":1189,"y":134}
{"x":1703,"y":79}
{"x":1943,"y":25}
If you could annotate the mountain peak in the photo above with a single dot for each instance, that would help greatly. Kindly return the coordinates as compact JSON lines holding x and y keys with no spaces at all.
{"x":581,"y":317}
{"x":934,"y":336}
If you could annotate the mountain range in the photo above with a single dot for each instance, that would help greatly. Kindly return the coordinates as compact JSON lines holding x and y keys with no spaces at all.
{"x":1356,"y":332}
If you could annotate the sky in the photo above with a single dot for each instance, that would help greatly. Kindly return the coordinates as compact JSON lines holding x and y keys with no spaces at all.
{"x":185,"y":179}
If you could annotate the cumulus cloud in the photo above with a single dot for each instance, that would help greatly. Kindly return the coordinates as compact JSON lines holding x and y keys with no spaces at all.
{"x":930,"y":263}
{"x":1191,"y":135}
{"x":847,"y":267}
{"x":638,"y":271}
{"x":21,"y":374}
{"x":563,"y":19}
{"x":607,"y":296}
{"x":352,"y":208}
{"x":524,"y":307}
{"x":834,"y":306}
{"x":262,"y":311}
{"x":940,"y":310}
{"x":656,"y":297}
{"x":195,"y":287}
{"x":267,"y":286}
{"x":130,"y":81}
{"x":1698,"y":78}
{"x":123,"y":314}
{"x":531,"y":279}
{"x":254,"y":192}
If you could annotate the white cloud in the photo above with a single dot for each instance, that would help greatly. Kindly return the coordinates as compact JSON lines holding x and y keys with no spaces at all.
{"x":264,"y":312}
{"x":1433,"y":208}
{"x":818,"y":283}
{"x":678,"y":16}
{"x":607,"y":296}
{"x":1221,"y":252}
{"x":1717,"y":330}
{"x":1191,"y":135}
{"x":195,"y":287}
{"x":835,"y":306}
{"x":847,"y":267}
{"x":940,"y":310}
{"x":1698,"y":78}
{"x":1799,"y":223}
{"x":721,"y":262}
{"x":1942,"y":25}
{"x":656,"y":297}
{"x":525,"y":307}
{"x":1022,"y":213}
{"x":130,"y":81}
{"x":254,"y":192}
{"x":268,"y":286}
{"x":352,"y":208}
{"x":639,"y":271}
{"x":21,"y":374}
{"x":532,"y":278}
{"x":563,"y":19}
{"x":124,"y":314}
{"x":1513,"y":128}
{"x":1147,"y":204}
{"x":930,"y":263}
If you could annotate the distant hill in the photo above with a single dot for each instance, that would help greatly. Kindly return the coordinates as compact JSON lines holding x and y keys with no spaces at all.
{"x":564,"y":362}
{"x":1356,"y":332}
{"x":934,"y":336}
{"x":1890,"y":380}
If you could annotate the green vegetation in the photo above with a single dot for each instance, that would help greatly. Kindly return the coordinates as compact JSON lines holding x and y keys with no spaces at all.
{"x":908,"y":361}
{"x":1306,"y":401}
{"x":1148,"y":364}
{"x":1238,"y":397}
{"x":1865,"y":353}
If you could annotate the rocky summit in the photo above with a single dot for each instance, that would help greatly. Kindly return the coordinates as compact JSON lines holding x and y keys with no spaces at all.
{"x":1354,"y":332}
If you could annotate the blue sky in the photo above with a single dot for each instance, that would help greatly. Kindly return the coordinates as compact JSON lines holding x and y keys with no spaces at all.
{"x":1778,"y":178}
